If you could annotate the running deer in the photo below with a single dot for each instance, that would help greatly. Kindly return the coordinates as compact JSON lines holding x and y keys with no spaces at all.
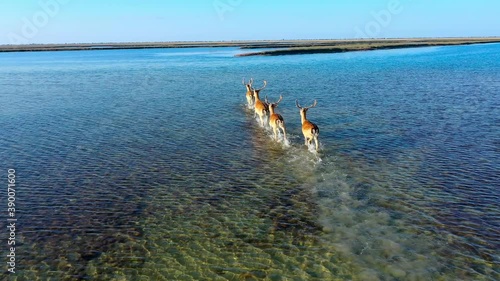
{"x":309,"y":129}
{"x":260,"y":107}
{"x":249,"y":94}
{"x":276,"y":121}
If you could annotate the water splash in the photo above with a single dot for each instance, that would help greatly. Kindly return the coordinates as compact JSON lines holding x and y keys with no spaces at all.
{"x":286,"y":143}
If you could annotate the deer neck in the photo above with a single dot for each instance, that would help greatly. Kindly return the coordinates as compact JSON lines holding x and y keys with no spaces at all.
{"x":271,"y":110}
{"x":256,"y":94}
{"x":303,"y":117}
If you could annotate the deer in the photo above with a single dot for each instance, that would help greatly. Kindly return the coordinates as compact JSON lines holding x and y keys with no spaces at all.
{"x":276,"y":121}
{"x":309,"y":129}
{"x":249,"y":94}
{"x":260,"y":107}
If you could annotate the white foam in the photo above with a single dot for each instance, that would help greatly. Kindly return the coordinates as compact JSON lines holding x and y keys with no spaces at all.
{"x":286,"y":143}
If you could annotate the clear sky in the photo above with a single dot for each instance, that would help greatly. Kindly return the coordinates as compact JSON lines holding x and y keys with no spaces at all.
{"x":80,"y":21}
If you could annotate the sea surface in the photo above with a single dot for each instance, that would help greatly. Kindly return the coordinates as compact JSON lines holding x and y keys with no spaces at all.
{"x":148,"y":165}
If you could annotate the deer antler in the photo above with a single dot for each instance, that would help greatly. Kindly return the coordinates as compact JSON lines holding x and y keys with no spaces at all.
{"x":281,"y":97}
{"x":300,"y":107}
{"x":250,"y":82}
{"x":265,"y":84}
{"x":297,"y":104}
{"x":314,"y":104}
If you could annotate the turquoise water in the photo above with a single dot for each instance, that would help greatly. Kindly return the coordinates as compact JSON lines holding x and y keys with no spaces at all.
{"x":147,"y":165}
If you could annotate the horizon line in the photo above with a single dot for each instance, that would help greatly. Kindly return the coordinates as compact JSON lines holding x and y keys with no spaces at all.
{"x":254,"y":40}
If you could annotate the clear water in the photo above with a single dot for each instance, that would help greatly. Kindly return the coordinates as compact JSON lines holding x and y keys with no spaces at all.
{"x":146,"y":165}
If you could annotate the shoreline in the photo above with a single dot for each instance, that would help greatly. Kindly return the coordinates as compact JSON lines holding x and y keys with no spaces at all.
{"x":283,"y":47}
{"x":370,"y":46}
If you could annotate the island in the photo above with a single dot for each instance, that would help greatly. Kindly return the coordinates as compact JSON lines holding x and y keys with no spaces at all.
{"x":272,"y":47}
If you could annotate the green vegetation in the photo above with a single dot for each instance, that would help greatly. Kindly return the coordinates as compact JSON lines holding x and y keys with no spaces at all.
{"x":283,"y":47}
{"x":366,"y":45}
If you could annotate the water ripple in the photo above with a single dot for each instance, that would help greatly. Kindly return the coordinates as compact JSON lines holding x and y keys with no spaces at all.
{"x":136,"y":165}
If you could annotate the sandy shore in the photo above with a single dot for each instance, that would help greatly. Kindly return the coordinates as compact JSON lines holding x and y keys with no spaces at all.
{"x":283,"y":47}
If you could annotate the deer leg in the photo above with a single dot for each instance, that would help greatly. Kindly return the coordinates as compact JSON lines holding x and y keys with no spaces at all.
{"x":284,"y":131}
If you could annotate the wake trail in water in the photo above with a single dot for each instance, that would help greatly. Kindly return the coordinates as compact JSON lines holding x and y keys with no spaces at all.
{"x":286,"y":144}
{"x":363,"y":217}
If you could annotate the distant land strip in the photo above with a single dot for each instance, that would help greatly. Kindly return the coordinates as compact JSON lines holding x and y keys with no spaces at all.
{"x":278,"y":47}
{"x":367,"y":45}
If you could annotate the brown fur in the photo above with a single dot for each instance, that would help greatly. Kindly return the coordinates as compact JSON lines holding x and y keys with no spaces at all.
{"x":309,"y":129}
{"x":276,"y":121}
{"x":249,"y":93}
{"x":260,"y":107}
{"x":249,"y":96}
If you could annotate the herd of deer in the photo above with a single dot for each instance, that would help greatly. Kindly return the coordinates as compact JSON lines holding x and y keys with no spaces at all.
{"x":266,"y":110}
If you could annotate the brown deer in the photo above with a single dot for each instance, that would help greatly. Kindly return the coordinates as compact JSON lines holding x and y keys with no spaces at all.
{"x":260,"y":108}
{"x":276,"y":121}
{"x":249,"y":94}
{"x":309,"y":129}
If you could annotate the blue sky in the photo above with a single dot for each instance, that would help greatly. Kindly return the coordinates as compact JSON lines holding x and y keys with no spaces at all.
{"x":79,"y":21}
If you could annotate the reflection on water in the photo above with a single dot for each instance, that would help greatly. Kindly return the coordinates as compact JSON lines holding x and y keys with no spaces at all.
{"x":135,"y":168}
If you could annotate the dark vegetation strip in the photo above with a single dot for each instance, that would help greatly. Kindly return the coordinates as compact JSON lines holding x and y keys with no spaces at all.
{"x":365,"y":46}
{"x":283,"y":47}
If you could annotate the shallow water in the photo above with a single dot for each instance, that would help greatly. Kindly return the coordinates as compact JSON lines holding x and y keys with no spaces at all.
{"x":147,"y":165}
